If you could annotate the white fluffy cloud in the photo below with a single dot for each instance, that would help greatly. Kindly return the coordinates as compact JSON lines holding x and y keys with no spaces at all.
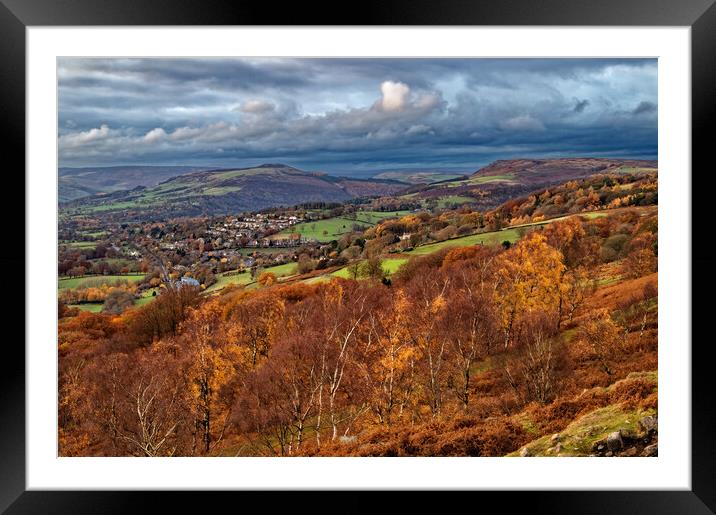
{"x":84,"y":137}
{"x":395,"y":95}
{"x":155,"y":135}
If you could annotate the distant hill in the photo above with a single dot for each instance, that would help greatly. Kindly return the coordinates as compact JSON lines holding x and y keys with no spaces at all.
{"x":509,"y":178}
{"x":554,"y":170}
{"x":74,"y":183}
{"x":225,"y":191}
{"x":419,"y":176}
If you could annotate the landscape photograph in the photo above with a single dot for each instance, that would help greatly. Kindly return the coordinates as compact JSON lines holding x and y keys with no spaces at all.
{"x":357,"y":257}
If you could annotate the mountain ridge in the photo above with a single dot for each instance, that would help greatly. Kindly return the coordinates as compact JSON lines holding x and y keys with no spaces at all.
{"x":228,"y":190}
{"x":75,"y":183}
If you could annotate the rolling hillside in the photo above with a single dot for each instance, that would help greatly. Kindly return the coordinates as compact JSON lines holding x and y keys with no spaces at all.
{"x":216,"y":192}
{"x":75,"y":183}
{"x":418,"y":176}
{"x":537,"y":171}
{"x":504,"y":179}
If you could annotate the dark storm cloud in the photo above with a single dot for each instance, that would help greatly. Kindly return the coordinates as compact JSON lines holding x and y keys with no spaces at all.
{"x":644,"y":108}
{"x":344,"y":114}
{"x":580,"y":105}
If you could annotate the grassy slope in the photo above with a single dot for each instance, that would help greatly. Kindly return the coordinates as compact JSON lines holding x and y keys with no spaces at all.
{"x":245,"y":279}
{"x":322,"y":230}
{"x":579,"y":436}
{"x":81,"y":244}
{"x":146,"y":297}
{"x":223,"y":280}
{"x":92,"y":308}
{"x":335,"y":227}
{"x":418,"y":177}
{"x":488,"y":238}
{"x":485,"y":179}
{"x":453,"y":200}
{"x":75,"y":282}
{"x":285,"y":270}
{"x":390,"y":266}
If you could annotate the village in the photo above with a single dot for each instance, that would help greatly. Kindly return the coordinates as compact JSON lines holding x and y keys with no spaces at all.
{"x":196,"y":246}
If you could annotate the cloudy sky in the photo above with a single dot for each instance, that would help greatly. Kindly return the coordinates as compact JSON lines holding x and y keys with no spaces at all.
{"x":343,"y":115}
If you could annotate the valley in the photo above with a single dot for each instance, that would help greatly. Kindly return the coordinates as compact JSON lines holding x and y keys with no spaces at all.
{"x":402,"y":275}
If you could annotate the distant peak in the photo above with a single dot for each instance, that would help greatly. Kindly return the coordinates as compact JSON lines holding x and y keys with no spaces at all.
{"x":274,"y":165}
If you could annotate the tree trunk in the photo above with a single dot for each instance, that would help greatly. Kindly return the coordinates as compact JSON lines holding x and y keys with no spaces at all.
{"x":466,"y":388}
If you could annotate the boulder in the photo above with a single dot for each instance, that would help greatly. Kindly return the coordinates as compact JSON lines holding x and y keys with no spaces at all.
{"x":555,"y":438}
{"x":614,"y":441}
{"x":648,"y":424}
{"x":650,"y":451}
{"x":631,"y":451}
{"x":525,"y":452}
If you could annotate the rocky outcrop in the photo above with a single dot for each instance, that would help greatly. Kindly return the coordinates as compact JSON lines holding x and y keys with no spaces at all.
{"x":624,"y":443}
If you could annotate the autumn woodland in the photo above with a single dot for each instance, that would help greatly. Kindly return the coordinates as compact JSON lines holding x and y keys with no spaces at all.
{"x":476,"y":350}
{"x":357,"y":257}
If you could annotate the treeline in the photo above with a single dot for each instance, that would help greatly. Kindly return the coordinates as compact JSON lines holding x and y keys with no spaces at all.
{"x":295,"y":369}
{"x":600,"y":192}
{"x":609,"y":191}
{"x":99,"y":260}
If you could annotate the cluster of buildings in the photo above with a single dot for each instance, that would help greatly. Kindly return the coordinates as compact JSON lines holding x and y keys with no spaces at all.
{"x":222,"y":237}
{"x":253,"y":230}
{"x":226,"y":243}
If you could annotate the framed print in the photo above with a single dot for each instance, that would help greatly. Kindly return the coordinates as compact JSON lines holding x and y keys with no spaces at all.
{"x":414,"y":250}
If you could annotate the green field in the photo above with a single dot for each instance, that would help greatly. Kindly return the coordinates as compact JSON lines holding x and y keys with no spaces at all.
{"x":390,"y":266}
{"x":481,"y":180}
{"x":146,"y":297}
{"x":284,"y":270}
{"x":92,"y":308}
{"x":488,"y":238}
{"x":245,"y":279}
{"x":451,"y":200}
{"x":164,"y":190}
{"x":491,"y":178}
{"x":588,"y":215}
{"x":223,"y":280}
{"x":332,"y":228}
{"x":319,"y":279}
{"x":511,"y":234}
{"x":96,"y":307}
{"x":230,"y":174}
{"x":411,"y":177}
{"x":114,"y":261}
{"x":128,"y":204}
{"x":95,"y":234}
{"x":592,"y":216}
{"x":75,"y":282}
{"x":221,"y":190}
{"x":373,"y":217}
{"x":80,"y":244}
{"x":633,"y":169}
{"x":322,"y":230}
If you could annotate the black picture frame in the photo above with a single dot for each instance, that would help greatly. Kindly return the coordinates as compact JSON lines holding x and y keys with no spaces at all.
{"x":700,"y":15}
